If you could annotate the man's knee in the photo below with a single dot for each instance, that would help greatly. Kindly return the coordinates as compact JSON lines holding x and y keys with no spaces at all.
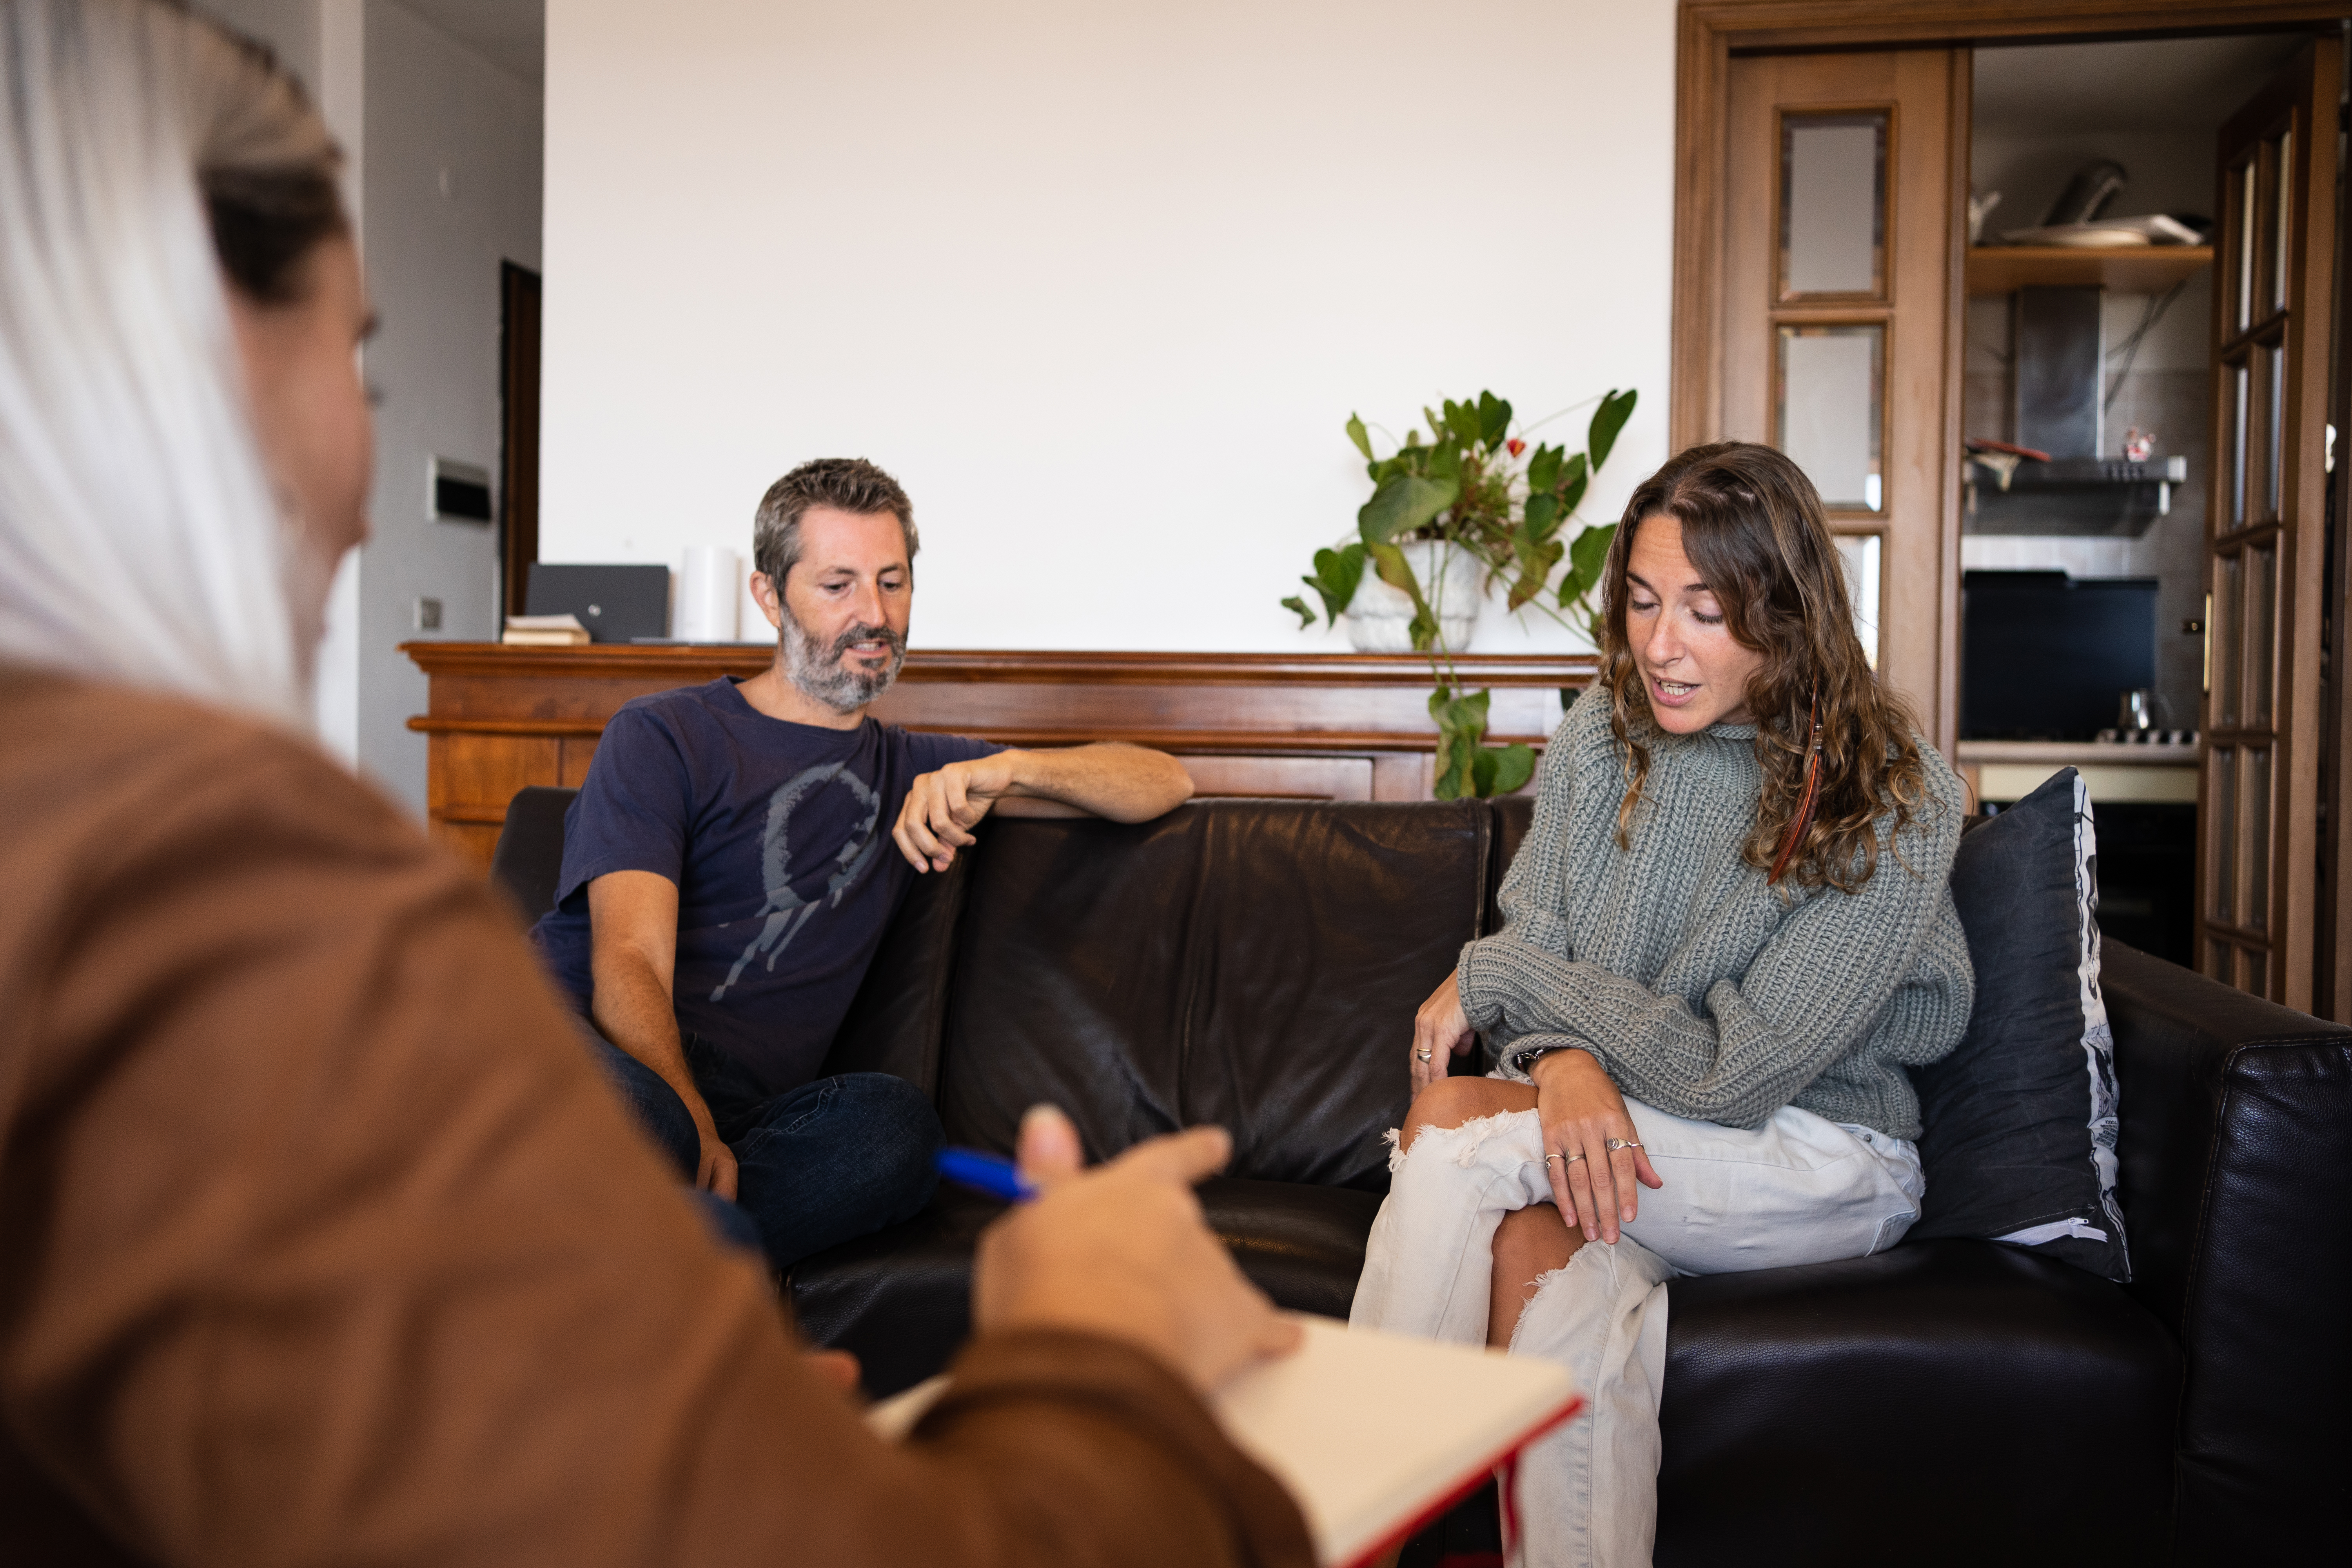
{"x":897,"y":1124}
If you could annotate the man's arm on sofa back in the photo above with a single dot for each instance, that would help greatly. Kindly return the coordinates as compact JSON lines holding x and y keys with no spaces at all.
{"x":2236,"y":1154}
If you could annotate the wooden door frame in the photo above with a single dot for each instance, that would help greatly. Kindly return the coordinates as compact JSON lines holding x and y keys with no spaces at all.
{"x":1707,"y":33}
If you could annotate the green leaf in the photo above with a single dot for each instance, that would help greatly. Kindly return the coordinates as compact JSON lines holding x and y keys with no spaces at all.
{"x":1494,"y":418}
{"x":1360,"y":436}
{"x":1402,"y":503}
{"x":1572,"y":492}
{"x":1482,"y":773}
{"x":1461,"y":723}
{"x":1389,"y":563}
{"x":1445,"y":462}
{"x":1515,"y":764}
{"x":1461,"y":420}
{"x":1337,"y":573}
{"x":1543,"y":469}
{"x":1607,"y":420}
{"x":1586,"y":559}
{"x":1535,"y":560}
{"x":1543,"y":515}
{"x":1305,"y":616}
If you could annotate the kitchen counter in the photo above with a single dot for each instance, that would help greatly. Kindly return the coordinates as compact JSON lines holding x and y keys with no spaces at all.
{"x":2116,"y":771}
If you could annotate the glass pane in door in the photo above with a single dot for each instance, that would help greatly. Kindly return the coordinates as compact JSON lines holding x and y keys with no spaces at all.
{"x":1858,"y":553}
{"x":1828,"y":415}
{"x":2224,"y":900}
{"x":2242,"y":252}
{"x":2223,"y":640}
{"x":1833,"y":204}
{"x":2273,"y":363}
{"x":2284,"y":187}
{"x":2260,"y":619}
{"x":2235,"y":385}
{"x":2257,"y":851}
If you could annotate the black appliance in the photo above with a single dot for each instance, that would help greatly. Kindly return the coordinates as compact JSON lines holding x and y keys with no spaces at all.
{"x":617,"y":603}
{"x":2046,"y":657}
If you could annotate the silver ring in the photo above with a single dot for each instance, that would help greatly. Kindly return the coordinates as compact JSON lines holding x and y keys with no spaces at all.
{"x":1420,"y":1056}
{"x":1613,"y":1144}
{"x":1568,"y":1159}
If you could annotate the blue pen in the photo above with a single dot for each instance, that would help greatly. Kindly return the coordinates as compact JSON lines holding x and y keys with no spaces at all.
{"x":990,"y":1174}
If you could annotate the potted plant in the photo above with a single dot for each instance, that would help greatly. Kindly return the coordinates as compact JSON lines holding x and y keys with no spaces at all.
{"x":1475,"y":505}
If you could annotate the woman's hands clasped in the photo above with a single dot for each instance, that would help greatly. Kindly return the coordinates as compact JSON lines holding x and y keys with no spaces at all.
{"x":1440,"y":1031}
{"x":1591,"y":1151}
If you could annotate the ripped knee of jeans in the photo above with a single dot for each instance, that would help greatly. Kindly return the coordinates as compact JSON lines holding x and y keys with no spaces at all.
{"x":1459,"y":1144}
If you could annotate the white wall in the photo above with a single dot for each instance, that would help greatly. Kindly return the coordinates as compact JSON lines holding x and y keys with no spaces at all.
{"x":1100,"y":283}
{"x":452,"y":189}
{"x":442,"y":174}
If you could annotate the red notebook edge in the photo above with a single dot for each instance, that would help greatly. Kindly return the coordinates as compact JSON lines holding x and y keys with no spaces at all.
{"x":1470,"y":1482}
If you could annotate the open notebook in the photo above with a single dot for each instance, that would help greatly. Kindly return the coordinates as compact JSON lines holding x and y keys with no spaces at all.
{"x":1375,"y":1435}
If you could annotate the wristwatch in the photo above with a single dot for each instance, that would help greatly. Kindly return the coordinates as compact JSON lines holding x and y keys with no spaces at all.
{"x":1525,"y":1060}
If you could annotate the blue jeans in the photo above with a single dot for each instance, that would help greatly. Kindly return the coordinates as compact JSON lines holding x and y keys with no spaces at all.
{"x":815,"y":1166}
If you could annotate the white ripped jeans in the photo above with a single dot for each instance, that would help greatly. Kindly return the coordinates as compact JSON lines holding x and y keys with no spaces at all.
{"x":1798,"y":1189}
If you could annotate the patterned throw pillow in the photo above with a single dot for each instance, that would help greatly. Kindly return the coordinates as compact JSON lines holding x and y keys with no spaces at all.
{"x":2020,"y":1121}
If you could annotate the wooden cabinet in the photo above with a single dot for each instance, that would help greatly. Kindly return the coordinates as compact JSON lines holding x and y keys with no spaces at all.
{"x":1316,"y":726}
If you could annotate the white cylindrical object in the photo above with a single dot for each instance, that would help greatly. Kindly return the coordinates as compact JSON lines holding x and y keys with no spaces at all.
{"x":707,"y":592}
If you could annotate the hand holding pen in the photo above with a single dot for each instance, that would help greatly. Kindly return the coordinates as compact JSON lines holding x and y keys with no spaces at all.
{"x":1121,"y":1251}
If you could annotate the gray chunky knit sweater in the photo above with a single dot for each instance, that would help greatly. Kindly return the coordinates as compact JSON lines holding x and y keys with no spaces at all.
{"x":1700,"y":990}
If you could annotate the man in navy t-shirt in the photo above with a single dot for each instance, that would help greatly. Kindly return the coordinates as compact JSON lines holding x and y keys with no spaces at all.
{"x":738,"y":848}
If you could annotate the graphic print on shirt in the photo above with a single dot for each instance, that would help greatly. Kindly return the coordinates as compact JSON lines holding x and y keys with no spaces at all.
{"x":786,"y":910}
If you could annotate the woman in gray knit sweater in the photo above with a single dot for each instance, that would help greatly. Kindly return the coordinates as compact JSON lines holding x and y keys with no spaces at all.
{"x":1727,"y":934}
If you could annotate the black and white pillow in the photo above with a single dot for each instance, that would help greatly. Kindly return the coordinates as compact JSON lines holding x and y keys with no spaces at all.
{"x":2018,"y":1140}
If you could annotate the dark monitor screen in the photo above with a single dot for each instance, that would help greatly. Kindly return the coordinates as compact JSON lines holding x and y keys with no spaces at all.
{"x":614,"y":603}
{"x":2045,"y":657}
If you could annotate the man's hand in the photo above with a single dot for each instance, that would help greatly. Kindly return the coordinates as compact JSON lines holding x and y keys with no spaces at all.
{"x":1125,"y":783}
{"x":1440,"y":1031}
{"x":714,"y":1170}
{"x":944,"y":807}
{"x":1121,"y":1251}
{"x":1582,"y":1113}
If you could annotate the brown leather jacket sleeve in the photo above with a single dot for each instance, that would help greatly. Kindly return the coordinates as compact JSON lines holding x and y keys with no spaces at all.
{"x":321,"y":1241}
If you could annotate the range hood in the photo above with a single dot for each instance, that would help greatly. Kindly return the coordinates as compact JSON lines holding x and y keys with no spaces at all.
{"x":2058,"y":366}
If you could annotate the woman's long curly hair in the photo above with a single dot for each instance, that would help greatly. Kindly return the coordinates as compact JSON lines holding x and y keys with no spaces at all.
{"x":1752,"y":526}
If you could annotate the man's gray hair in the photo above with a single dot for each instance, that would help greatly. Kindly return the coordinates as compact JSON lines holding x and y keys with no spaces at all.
{"x":845,"y":484}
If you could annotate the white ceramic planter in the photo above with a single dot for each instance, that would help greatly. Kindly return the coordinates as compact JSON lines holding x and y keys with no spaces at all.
{"x":1380,"y":619}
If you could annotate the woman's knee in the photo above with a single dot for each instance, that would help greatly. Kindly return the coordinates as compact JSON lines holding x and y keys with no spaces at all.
{"x":1451,"y":1101}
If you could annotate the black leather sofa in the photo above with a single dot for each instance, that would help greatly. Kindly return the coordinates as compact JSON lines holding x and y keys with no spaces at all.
{"x":1256,"y":964}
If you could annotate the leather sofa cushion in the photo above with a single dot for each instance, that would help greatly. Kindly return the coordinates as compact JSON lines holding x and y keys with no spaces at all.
{"x":901,"y":1298}
{"x":1817,"y":1405}
{"x":1253,"y":964}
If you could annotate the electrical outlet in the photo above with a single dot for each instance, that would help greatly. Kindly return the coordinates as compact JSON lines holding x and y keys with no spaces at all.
{"x":428,"y":615}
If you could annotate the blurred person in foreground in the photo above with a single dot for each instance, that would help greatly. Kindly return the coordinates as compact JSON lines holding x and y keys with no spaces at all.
{"x":320,"y":1240}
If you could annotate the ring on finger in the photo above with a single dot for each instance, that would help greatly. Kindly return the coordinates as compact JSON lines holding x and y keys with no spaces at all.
{"x":1420,"y":1056}
{"x":1565,"y":1160}
{"x":1613,"y":1144}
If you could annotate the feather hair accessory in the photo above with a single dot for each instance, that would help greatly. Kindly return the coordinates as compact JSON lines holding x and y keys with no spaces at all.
{"x":1805,"y":804}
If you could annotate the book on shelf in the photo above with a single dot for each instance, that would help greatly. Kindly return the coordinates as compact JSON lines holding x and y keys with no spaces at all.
{"x":544,"y":631}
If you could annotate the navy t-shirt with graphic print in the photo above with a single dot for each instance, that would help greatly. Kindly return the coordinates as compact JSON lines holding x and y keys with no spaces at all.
{"x":777,"y":837}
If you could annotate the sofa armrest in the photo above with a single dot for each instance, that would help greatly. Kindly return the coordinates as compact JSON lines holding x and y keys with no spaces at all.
{"x":2236,"y":1176}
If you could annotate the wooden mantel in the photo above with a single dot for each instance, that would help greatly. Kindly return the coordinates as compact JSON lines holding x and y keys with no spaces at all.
{"x":1338,"y":726}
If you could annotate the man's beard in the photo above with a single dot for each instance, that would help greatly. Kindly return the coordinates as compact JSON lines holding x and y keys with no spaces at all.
{"x":818,"y":671}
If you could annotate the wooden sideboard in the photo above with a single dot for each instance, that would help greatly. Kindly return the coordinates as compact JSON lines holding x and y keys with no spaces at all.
{"x":1317,"y":726}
